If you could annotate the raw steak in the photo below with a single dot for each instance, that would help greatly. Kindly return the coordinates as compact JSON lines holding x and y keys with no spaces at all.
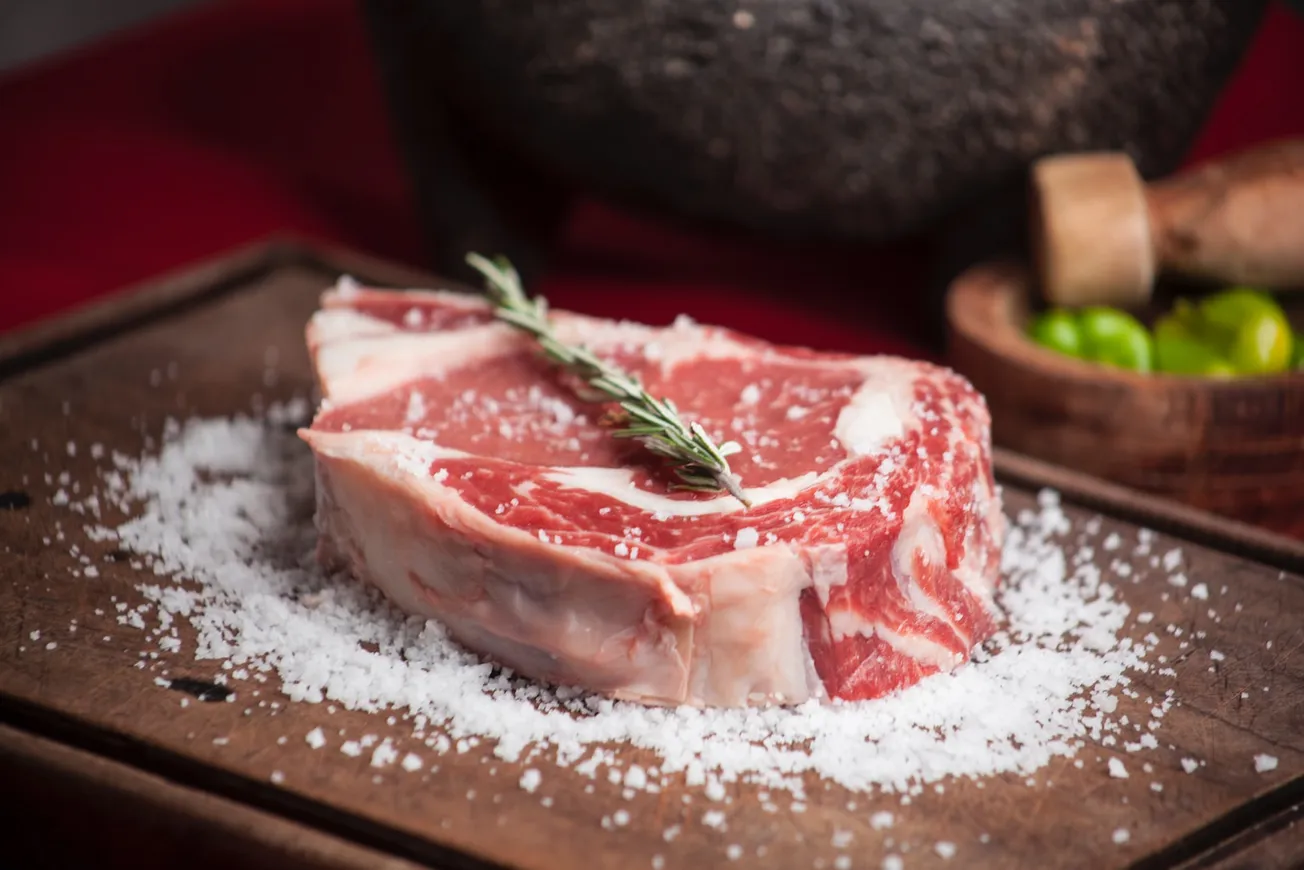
{"x":457,"y":471}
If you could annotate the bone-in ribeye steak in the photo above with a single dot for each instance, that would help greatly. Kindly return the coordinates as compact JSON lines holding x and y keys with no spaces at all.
{"x":457,"y":471}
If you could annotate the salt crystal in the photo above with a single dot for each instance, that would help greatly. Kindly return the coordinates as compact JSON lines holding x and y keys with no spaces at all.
{"x":315,"y":738}
{"x":893,"y":862}
{"x":620,"y":817}
{"x":1190,"y":765}
{"x":635,"y":777}
{"x":945,"y":849}
{"x":714,"y":819}
{"x":1264,"y":763}
{"x":880,"y":820}
{"x":746,"y":539}
{"x":1200,"y":591}
{"x":530,"y":780}
{"x":1122,"y":835}
{"x":411,"y":762}
{"x":734,"y":851}
{"x":351,"y":748}
{"x":278,"y":777}
{"x":1116,"y":769}
{"x":1216,"y":656}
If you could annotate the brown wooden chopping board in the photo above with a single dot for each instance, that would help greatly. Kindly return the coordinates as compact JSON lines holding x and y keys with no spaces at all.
{"x":86,"y":728}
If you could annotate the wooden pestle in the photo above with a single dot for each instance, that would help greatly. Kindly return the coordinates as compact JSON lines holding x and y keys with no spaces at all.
{"x":1100,"y":234}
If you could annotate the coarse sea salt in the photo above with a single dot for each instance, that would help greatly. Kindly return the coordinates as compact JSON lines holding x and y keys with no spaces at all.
{"x":1264,"y":763}
{"x":223,"y":517}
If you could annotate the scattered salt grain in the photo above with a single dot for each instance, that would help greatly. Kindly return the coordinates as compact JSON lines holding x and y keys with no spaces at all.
{"x":945,"y":849}
{"x":411,"y":762}
{"x":893,"y":862}
{"x":1216,"y":656}
{"x":880,"y":820}
{"x":1116,"y":769}
{"x":714,"y":819}
{"x":734,"y":851}
{"x":746,"y":539}
{"x":620,"y":818}
{"x":1200,"y":591}
{"x":1122,"y":835}
{"x":1265,"y":763}
{"x":315,"y":738}
{"x":530,"y":780}
{"x":1190,"y":765}
{"x":278,"y":777}
{"x":351,"y":748}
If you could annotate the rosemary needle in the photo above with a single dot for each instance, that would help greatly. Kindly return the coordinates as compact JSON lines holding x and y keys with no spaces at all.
{"x":699,"y":463}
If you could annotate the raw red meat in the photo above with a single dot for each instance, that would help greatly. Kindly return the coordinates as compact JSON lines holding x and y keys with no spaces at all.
{"x":458,"y":472}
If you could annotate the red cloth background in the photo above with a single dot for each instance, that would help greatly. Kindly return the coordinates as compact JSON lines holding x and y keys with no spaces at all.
{"x":247,"y":118}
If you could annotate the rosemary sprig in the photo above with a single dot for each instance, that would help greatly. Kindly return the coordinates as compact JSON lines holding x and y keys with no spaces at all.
{"x":699,"y":463}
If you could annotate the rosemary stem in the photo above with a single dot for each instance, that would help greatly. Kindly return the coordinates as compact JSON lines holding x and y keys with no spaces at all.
{"x":699,"y":463}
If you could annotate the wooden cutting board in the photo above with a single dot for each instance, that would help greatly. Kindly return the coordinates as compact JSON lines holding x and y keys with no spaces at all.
{"x":99,"y":762}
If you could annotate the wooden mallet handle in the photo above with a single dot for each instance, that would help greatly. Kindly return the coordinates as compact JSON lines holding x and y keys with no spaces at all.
{"x":1100,"y":234}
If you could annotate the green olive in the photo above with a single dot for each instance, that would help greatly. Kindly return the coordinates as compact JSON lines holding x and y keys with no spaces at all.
{"x":1115,"y":338}
{"x":1057,"y":330}
{"x":1179,"y":352}
{"x":1262,"y":344}
{"x":1244,"y":326}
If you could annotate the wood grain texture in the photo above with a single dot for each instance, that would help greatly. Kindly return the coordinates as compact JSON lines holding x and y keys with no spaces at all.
{"x":1234,"y":220}
{"x":1233,"y":447}
{"x":211,"y":358}
{"x":74,"y":808}
{"x":1275,"y":840}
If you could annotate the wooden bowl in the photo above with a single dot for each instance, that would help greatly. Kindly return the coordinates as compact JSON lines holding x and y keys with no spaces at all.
{"x":1233,"y":447}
